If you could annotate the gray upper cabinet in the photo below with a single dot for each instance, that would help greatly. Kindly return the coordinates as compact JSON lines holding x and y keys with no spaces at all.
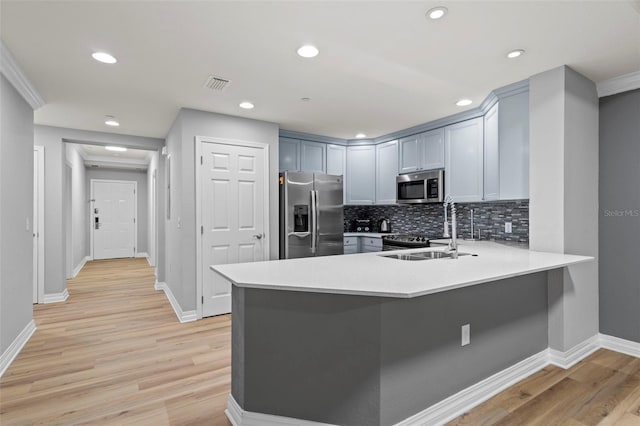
{"x":337,"y":162}
{"x":289,"y":154}
{"x":491,"y":155}
{"x":313,"y":157}
{"x":424,"y":151}
{"x":513,"y":132}
{"x":409,"y":160}
{"x":361,"y":174}
{"x":506,"y":149}
{"x":464,"y":160}
{"x":386,"y":172}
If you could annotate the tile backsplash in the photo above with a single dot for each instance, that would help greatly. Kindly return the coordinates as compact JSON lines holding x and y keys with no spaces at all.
{"x":428,"y":219}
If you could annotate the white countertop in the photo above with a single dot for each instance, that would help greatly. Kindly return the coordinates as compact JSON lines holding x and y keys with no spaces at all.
{"x":369,"y":274}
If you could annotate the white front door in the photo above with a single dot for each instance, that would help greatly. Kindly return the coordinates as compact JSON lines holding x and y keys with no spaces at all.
{"x":234,"y":211}
{"x":113,"y":219}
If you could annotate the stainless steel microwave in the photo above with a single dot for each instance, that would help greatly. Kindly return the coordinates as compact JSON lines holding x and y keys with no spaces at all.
{"x":422,"y":187}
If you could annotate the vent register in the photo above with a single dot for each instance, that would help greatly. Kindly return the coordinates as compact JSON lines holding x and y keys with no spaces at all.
{"x":216,"y":83}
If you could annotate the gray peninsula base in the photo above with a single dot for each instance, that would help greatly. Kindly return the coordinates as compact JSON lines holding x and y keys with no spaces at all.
{"x":365,"y":360}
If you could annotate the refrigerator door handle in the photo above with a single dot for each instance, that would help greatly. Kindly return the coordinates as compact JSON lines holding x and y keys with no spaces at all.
{"x":314,"y":221}
{"x":299,"y":234}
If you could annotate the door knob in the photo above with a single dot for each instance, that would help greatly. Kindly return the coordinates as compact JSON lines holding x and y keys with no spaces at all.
{"x":259,"y":236}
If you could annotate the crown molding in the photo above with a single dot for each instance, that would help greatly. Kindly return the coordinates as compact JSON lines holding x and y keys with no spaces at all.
{"x":12,"y":71}
{"x":619,"y":84}
{"x":311,"y":137}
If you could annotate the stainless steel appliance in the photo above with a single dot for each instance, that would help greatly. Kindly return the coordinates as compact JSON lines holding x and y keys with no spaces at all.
{"x":404,"y":241}
{"x":423,"y":187}
{"x":385,"y":225}
{"x":311,"y":216}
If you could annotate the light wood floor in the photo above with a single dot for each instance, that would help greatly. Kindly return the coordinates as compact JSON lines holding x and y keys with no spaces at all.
{"x":114,"y":353}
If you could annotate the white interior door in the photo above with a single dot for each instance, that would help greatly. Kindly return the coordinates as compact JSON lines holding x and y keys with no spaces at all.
{"x":113,"y":219}
{"x":234,"y":216}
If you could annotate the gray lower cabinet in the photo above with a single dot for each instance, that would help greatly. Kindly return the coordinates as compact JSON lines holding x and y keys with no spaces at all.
{"x":362,"y":244}
{"x":361,"y":174}
{"x":386,"y":172}
{"x":351,"y":245}
{"x":464,"y":158}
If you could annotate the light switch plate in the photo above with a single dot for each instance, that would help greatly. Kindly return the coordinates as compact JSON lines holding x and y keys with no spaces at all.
{"x":466,"y":335}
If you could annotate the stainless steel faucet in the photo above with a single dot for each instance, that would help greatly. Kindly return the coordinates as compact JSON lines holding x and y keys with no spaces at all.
{"x":453,"y":243}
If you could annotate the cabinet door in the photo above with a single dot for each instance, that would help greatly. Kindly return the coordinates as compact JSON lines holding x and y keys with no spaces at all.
{"x":514,"y":146}
{"x":337,"y":164}
{"x":289,"y":154}
{"x":431,"y":150}
{"x":361,"y":171}
{"x":491,"y":155}
{"x":386,"y":172}
{"x":408,"y":157}
{"x":464,"y":160}
{"x":313,"y":157}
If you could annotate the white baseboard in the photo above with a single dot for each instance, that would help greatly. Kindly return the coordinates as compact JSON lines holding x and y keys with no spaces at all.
{"x":16,"y":346}
{"x":56,"y":297}
{"x":142,"y":254}
{"x":80,"y":265}
{"x":620,"y":345}
{"x":574,"y":355}
{"x":183,"y":316}
{"x":463,"y":401}
{"x":238,"y":417}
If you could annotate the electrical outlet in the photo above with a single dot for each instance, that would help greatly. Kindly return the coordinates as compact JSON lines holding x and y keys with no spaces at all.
{"x":466,"y":335}
{"x":507,"y":228}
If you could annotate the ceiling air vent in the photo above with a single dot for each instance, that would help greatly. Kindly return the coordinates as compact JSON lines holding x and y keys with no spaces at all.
{"x":216,"y":83}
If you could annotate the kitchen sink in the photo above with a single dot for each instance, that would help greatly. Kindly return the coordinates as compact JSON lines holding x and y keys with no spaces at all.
{"x":424,"y":255}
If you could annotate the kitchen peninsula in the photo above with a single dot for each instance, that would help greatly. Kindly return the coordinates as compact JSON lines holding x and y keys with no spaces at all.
{"x":368,"y":339}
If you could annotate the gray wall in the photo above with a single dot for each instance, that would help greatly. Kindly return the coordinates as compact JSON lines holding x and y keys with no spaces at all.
{"x":180,"y":244}
{"x":52,"y":138}
{"x":563,"y":204}
{"x":355,"y":360}
{"x":16,"y":207}
{"x":620,"y":215}
{"x":142,"y":199}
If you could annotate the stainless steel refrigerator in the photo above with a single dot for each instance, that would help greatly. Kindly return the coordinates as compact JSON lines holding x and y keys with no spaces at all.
{"x":311,"y":216}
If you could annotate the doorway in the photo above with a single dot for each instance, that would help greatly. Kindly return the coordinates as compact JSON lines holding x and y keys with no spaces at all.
{"x":113,"y":219}
{"x":232,"y":214}
{"x":38,"y":224}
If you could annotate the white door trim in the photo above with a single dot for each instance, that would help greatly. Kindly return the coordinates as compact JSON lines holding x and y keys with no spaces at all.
{"x":199,"y":140}
{"x":135,"y":212}
{"x":40,"y":224}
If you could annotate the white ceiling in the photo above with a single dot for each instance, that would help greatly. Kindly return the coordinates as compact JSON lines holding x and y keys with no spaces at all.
{"x":382,"y":66}
{"x":99,"y":156}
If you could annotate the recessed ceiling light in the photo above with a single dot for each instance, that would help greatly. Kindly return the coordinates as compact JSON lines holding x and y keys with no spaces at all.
{"x":515,"y":53}
{"x":308,"y":51}
{"x":111,"y":121}
{"x":246,"y":105}
{"x":115,"y":148}
{"x":464,"y":102}
{"x":361,"y":136}
{"x":104,"y":57}
{"x":437,"y":12}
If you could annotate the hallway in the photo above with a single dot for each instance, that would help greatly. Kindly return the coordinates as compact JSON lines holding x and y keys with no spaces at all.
{"x":115,"y":353}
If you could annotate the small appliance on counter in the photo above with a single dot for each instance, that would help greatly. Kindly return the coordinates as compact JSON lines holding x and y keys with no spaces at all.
{"x":362,"y":225}
{"x":385,"y":225}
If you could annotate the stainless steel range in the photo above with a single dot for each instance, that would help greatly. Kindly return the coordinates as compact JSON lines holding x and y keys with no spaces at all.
{"x":404,"y":241}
